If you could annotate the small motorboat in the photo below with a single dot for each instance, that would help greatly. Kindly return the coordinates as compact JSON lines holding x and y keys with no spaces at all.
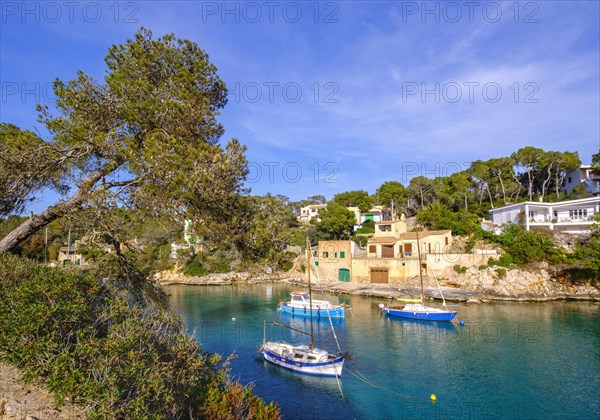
{"x":300,"y":306}
{"x":303,"y":358}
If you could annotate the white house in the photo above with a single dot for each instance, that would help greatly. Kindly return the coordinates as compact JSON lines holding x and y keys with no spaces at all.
{"x":573,"y":216}
{"x":584,"y":175}
{"x":310,"y":212}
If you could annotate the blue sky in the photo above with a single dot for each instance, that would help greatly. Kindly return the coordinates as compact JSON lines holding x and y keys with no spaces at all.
{"x":336,"y":96}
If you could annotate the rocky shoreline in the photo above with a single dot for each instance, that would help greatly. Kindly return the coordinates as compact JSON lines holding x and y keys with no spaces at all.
{"x":473,"y":286}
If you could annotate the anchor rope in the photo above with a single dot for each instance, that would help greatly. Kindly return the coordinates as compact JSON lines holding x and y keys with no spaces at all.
{"x":361,"y":377}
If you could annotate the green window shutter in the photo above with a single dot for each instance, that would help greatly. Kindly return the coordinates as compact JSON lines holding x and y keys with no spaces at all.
{"x":368,"y":217}
{"x":342,"y":254}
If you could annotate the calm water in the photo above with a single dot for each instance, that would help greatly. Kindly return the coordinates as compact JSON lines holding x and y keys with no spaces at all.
{"x":510,"y":360}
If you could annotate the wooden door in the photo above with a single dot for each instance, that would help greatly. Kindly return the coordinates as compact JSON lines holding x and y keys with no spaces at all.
{"x":379,"y":275}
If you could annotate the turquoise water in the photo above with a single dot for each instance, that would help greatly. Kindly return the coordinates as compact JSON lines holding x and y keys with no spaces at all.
{"x":509,"y":361}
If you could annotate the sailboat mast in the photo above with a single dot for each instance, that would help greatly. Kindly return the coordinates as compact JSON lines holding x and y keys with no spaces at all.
{"x":312,"y":334}
{"x":420,"y":265}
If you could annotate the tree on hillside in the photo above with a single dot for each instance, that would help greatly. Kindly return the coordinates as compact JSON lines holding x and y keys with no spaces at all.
{"x":459,"y":187}
{"x":318,"y":199}
{"x":336,"y":221}
{"x":423,"y":189}
{"x":391,"y":191}
{"x":481,"y":176}
{"x":437,"y":216}
{"x":359,"y":198}
{"x":548,"y":164}
{"x":596,"y":161}
{"x":528,"y":158}
{"x":267,"y":232}
{"x":146,"y":138}
{"x":502,"y":169}
{"x":569,"y":161}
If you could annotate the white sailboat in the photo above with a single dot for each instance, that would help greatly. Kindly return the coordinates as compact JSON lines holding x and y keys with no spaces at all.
{"x":306,"y":359}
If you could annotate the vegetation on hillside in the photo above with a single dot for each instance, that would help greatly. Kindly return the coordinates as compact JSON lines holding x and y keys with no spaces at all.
{"x":110,"y":349}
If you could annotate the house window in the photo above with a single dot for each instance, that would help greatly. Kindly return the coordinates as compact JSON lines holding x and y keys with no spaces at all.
{"x":555,"y":214}
{"x":342,"y":254}
{"x":325,"y":254}
{"x":335,"y":255}
{"x":446,"y":240}
{"x":569,"y":180}
{"x":372,"y":248}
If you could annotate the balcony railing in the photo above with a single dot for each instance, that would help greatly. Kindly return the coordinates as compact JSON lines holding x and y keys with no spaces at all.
{"x":574,"y":219}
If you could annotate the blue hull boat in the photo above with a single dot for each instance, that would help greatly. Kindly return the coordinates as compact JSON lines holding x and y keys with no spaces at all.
{"x":421,"y":312}
{"x":418,"y":310}
{"x":301,"y":305}
{"x":303,"y":359}
{"x":339,"y":312}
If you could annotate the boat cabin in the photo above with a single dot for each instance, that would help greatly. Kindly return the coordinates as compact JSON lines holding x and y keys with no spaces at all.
{"x":300,"y":297}
{"x":306,"y":355}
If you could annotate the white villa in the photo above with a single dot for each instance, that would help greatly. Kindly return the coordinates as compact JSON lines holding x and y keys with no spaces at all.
{"x":573,"y":216}
{"x":310,"y":212}
{"x":584,"y":175}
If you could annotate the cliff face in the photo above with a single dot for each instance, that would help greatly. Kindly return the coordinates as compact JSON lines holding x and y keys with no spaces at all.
{"x":518,"y":284}
{"x":492,"y":283}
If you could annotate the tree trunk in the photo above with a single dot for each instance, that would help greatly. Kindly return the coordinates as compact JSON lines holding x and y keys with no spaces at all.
{"x":487,"y":187}
{"x":38,"y":221}
{"x":546,"y":181}
{"x":480,"y":191}
{"x":503,"y":189}
{"x":514,"y":175}
{"x":558,"y":181}
{"x":530,"y":190}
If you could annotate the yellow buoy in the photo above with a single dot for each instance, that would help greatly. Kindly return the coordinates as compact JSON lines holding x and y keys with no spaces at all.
{"x":433,"y":398}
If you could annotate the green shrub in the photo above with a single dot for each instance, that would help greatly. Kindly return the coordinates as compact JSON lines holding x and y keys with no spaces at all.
{"x":360,"y":240}
{"x":195,"y":267}
{"x":460,"y":269}
{"x":365,"y":230}
{"x":505,"y":260}
{"x":110,"y":350}
{"x":369,"y":224}
{"x":501,"y":272}
{"x":483,"y":267}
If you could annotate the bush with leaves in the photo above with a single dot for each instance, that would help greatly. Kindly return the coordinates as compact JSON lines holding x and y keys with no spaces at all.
{"x":588,"y":251}
{"x":437,"y":216}
{"x":107,"y":349}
